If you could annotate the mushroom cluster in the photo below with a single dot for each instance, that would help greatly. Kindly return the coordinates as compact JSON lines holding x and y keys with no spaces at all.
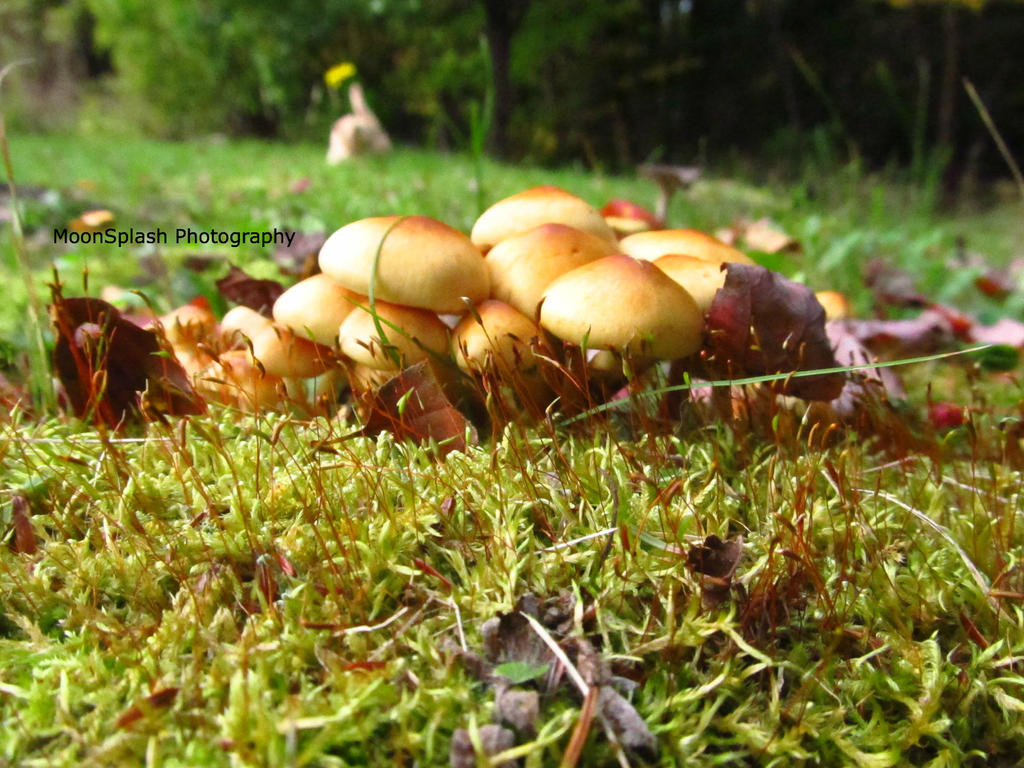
{"x":540,"y":271}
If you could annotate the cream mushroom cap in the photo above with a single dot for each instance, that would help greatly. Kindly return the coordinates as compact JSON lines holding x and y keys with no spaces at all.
{"x":532,"y":207}
{"x":624,"y":304}
{"x":188,"y":324}
{"x":241,"y":321}
{"x":699,"y":277}
{"x":421,"y":332}
{"x":315,"y":307}
{"x":495,"y":336}
{"x":283,"y":353}
{"x":423,"y":262}
{"x":522,"y":266}
{"x":691,"y":242}
{"x":233,"y":379}
{"x":836,"y":305}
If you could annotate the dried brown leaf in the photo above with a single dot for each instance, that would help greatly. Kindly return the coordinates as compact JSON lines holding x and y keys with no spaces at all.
{"x":112,"y":369}
{"x":716,"y":561}
{"x":761,"y":323}
{"x":518,"y":708}
{"x":24,"y":535}
{"x":242,"y":288}
{"x":493,"y":739}
{"x":300,"y":258}
{"x":766,"y":236}
{"x":625,"y":722}
{"x":413,"y":406}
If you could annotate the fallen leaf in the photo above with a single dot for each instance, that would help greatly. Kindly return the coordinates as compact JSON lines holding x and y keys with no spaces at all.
{"x":893,"y":287}
{"x":928,"y":332}
{"x":493,"y":739}
{"x":765,"y":236}
{"x":413,"y":406}
{"x":761,"y":323}
{"x":509,"y":638}
{"x":257,"y":294}
{"x":92,"y":221}
{"x":716,"y":561}
{"x":518,"y":708}
{"x":1006,"y":332}
{"x":24,"y":535}
{"x":111,"y":369}
{"x":300,"y":258}
{"x":630,"y":729}
{"x":850,"y":351}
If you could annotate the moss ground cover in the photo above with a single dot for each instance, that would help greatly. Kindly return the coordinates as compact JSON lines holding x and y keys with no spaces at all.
{"x":266,"y":590}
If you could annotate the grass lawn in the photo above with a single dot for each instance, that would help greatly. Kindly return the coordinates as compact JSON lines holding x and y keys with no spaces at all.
{"x":264,"y":590}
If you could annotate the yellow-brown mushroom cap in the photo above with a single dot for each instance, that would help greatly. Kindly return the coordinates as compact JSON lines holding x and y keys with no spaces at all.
{"x":540,"y":205}
{"x":283,"y":353}
{"x":423,"y":263}
{"x":691,"y":242}
{"x":836,"y":305}
{"x":315,"y":307}
{"x":624,"y":304}
{"x":700,"y":278}
{"x":495,"y":337}
{"x":522,"y":266}
{"x":188,"y":325}
{"x":411,"y":333}
{"x":241,"y":323}
{"x":233,"y":379}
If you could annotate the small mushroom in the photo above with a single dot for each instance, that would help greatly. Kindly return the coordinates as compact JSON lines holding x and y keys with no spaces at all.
{"x":422,"y":263}
{"x":240,"y":323}
{"x":836,"y":305}
{"x":522,"y":266}
{"x":700,"y":278}
{"x":496,"y":341}
{"x":188,"y":325}
{"x":626,"y":305}
{"x":284,"y":354}
{"x":690,"y":242}
{"x":528,"y":209}
{"x":411,"y":335}
{"x":669,"y":178}
{"x":233,"y":379}
{"x":315,"y":307}
{"x":628,"y":218}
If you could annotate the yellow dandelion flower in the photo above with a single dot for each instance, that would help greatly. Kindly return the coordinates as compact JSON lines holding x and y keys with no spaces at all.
{"x":339,"y":73}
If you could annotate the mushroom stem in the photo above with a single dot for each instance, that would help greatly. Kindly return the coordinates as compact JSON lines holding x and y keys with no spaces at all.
{"x":669,"y":178}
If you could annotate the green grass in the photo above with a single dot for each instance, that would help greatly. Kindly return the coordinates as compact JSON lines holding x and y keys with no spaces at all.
{"x":304,"y":593}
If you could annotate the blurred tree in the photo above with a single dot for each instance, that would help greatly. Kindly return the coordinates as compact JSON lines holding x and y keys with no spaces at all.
{"x":503,"y":18}
{"x":609,"y":83}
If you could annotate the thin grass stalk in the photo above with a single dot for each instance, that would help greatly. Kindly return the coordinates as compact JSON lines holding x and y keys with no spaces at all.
{"x":997,"y":137}
{"x":39,"y":363}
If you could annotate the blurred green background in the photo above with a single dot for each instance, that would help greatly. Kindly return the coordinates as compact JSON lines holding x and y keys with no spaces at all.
{"x":791,"y":83}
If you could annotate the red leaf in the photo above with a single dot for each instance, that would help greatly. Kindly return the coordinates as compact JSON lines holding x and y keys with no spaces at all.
{"x":761,"y":323}
{"x":945,"y":415}
{"x":241,"y":288}
{"x":413,"y":406}
{"x":113,"y":370}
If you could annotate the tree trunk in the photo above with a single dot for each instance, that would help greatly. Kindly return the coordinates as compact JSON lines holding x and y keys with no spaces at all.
{"x":503,"y":18}
{"x":949,"y":87}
